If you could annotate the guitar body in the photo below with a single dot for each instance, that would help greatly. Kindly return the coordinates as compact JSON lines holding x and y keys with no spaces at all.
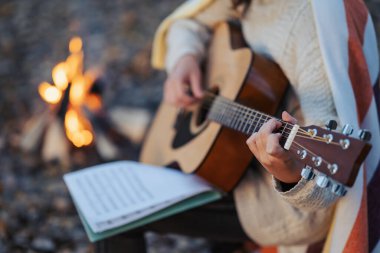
{"x":186,"y":139}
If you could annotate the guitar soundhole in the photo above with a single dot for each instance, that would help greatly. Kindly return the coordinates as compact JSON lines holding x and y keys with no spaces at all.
{"x":198,"y":117}
{"x":182,"y":126}
{"x":202,"y":115}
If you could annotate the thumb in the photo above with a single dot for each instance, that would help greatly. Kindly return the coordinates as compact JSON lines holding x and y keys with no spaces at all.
{"x":288,"y":118}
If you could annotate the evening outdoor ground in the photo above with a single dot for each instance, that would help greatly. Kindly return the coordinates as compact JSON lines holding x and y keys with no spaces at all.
{"x":36,"y":212}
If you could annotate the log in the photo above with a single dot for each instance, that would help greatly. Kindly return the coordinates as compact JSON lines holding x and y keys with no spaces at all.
{"x":56,"y":146}
{"x":130,"y":122}
{"x":33,"y":132}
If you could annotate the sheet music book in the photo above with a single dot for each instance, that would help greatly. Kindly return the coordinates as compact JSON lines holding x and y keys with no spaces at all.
{"x":116,"y":197}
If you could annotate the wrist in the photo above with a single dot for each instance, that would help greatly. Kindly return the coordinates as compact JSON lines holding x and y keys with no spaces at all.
{"x":289,"y":173}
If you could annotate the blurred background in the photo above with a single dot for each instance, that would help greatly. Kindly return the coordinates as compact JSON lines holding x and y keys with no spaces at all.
{"x":101,"y":50}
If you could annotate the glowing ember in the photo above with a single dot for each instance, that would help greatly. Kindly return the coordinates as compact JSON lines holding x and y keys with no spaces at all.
{"x":69,"y":75}
{"x":59,"y":75}
{"x":93,"y":102}
{"x":78,"y":91}
{"x":49,"y":93}
{"x":75,"y":45}
{"x":77,"y":129}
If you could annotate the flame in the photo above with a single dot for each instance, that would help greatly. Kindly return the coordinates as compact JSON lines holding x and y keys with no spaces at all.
{"x":77,"y":129}
{"x":74,"y":65}
{"x":59,"y":75}
{"x":93,"y":102}
{"x":78,"y":91}
{"x":75,"y":45}
{"x":49,"y":93}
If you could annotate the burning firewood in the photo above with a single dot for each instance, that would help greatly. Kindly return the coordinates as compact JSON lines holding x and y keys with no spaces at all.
{"x":34,"y":130}
{"x":76,"y":117}
{"x":55,"y":146}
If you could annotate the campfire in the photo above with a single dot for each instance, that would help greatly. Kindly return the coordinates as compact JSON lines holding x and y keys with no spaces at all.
{"x":70,"y":94}
{"x":75,"y":117}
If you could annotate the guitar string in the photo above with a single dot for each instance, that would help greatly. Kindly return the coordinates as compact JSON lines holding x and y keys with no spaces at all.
{"x":242,"y":107}
{"x":295,"y":145}
{"x":305,"y":134}
{"x":259,"y":122}
{"x":312,"y":138}
{"x":252,"y":119}
{"x":315,"y":155}
{"x":245,"y":110}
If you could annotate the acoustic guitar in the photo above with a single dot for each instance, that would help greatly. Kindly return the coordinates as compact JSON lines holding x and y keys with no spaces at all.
{"x":243,"y":90}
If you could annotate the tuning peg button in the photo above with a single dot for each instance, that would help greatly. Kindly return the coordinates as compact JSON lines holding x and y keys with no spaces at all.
{"x":347,"y":129}
{"x":322,"y":181}
{"x":365,"y":135}
{"x":307,"y":173}
{"x":331,"y":124}
{"x":338,"y":189}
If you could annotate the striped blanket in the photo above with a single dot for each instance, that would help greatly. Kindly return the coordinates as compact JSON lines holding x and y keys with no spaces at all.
{"x":348,"y":43}
{"x":349,"y":48}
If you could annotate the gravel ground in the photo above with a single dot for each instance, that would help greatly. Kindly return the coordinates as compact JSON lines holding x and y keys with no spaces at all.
{"x":36,"y":213}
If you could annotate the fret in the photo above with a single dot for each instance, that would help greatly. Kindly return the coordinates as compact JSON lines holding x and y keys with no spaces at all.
{"x":243,"y":112}
{"x":239,"y":122}
{"x":253,"y":119}
{"x":222,"y":118}
{"x":248,"y":124}
{"x":257,"y":123}
{"x":238,"y":117}
{"x":244,"y":118}
{"x":283,"y":128}
{"x":234,"y":118}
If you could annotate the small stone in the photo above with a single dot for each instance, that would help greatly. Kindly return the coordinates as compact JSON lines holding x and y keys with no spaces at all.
{"x":128,"y":20}
{"x":61,"y":204}
{"x":83,"y":249}
{"x":66,"y":250}
{"x":43,"y":244}
{"x":141,"y":63}
{"x":21,"y":239}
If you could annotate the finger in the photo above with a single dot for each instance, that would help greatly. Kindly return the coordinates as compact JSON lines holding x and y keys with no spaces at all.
{"x":251,"y":142}
{"x":169,"y":93}
{"x":185,"y":101}
{"x":288,"y":118}
{"x":195,"y":82}
{"x":252,"y":139}
{"x":269,"y":126}
{"x":273,"y":146}
{"x":180,"y":94}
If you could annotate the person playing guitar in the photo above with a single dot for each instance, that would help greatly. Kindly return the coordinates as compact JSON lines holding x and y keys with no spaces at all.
{"x":274,"y":204}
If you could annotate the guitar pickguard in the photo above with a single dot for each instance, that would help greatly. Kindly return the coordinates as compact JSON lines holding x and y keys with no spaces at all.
{"x":187,"y":127}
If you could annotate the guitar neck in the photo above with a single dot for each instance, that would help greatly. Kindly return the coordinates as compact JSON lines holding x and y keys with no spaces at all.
{"x":239,"y":117}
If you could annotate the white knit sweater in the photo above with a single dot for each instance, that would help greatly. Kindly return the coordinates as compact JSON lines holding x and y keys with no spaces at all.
{"x":284,"y":31}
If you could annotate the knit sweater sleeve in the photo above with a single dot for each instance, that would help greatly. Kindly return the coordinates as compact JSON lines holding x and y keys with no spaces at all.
{"x":311,"y":85}
{"x":190,"y":36}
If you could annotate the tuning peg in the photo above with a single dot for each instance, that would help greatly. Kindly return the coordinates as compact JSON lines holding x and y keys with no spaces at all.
{"x":338,"y":189}
{"x":322,"y":181}
{"x":331,"y":124}
{"x":307,"y":173}
{"x":347,"y":129}
{"x":365,"y":135}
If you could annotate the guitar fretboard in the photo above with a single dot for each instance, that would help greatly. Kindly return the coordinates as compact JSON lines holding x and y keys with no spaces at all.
{"x":239,"y":117}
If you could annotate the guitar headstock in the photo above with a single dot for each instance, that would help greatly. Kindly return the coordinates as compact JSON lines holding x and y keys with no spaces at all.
{"x":336,"y":156}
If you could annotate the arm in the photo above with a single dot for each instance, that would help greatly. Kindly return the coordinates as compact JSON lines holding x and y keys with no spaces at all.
{"x":310,"y":82}
{"x":186,"y":41}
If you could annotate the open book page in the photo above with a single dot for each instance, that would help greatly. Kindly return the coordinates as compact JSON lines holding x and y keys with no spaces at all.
{"x":113,"y":194}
